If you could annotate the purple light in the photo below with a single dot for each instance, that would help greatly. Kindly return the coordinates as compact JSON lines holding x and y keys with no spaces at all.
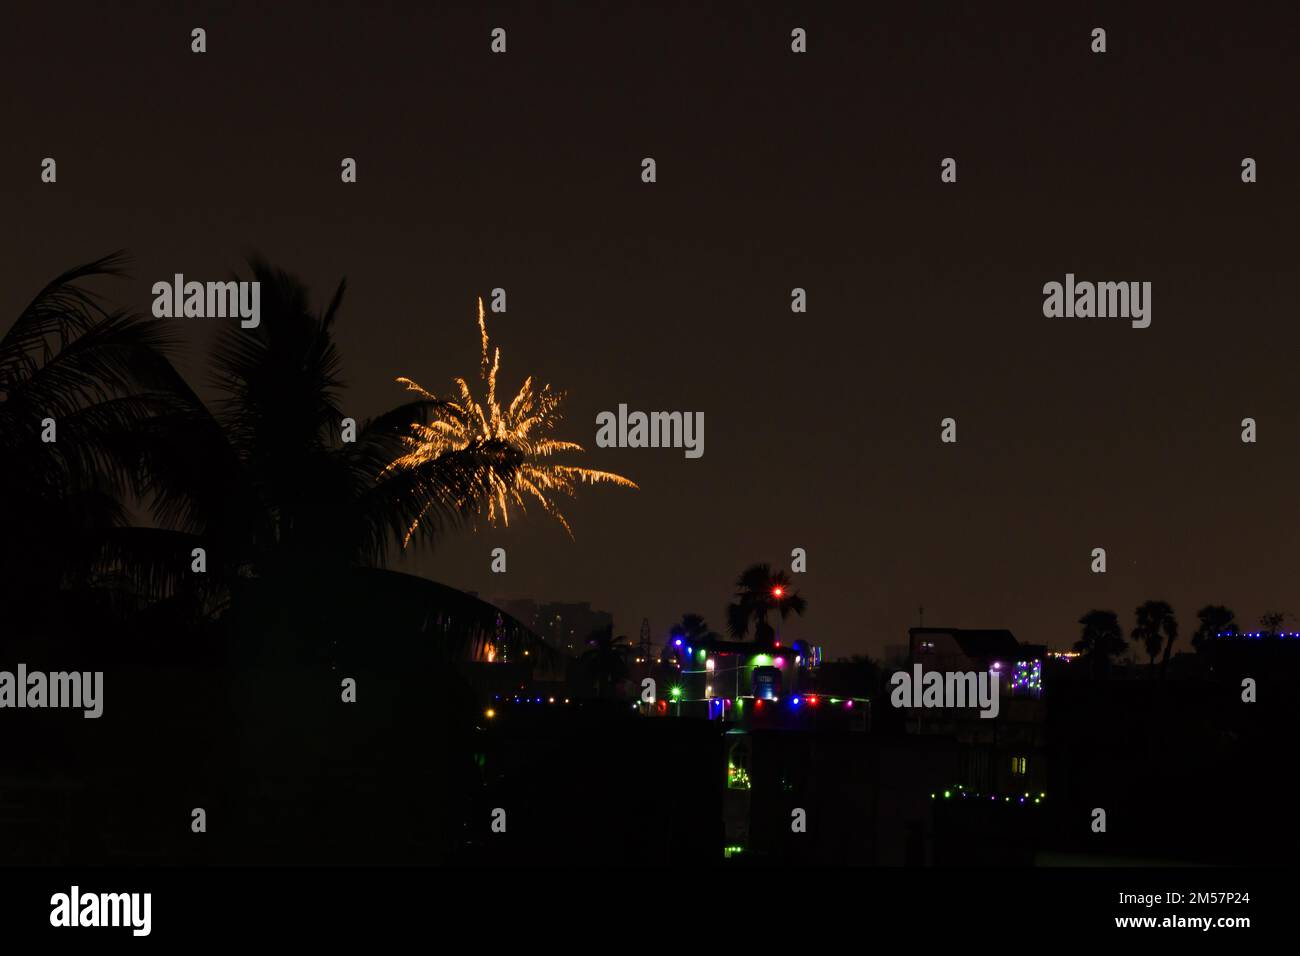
{"x":678,"y":642}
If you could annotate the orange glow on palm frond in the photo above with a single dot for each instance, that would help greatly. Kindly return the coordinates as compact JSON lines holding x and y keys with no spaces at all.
{"x":525,"y":425}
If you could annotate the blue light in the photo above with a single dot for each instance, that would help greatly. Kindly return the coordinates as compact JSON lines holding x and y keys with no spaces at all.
{"x":794,"y":701}
{"x":678,"y":642}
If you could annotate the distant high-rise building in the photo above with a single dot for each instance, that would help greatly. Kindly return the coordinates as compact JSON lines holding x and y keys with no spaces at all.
{"x":564,"y":625}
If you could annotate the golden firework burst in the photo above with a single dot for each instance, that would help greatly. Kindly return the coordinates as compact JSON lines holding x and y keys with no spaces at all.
{"x":525,"y":425}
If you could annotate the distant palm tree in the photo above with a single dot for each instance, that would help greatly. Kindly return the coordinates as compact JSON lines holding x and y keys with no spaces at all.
{"x":759,"y":592}
{"x":1101,"y":639}
{"x":1156,"y":628}
{"x":97,"y":377}
{"x":692,"y":628}
{"x":606,"y":658}
{"x":1215,"y":619}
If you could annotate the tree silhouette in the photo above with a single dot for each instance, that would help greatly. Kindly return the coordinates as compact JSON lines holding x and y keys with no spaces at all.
{"x":1100,"y":640}
{"x":1156,"y":628}
{"x":263,"y":480}
{"x":692,"y":628}
{"x":1271,"y":622}
{"x":1215,"y":619}
{"x":100,"y":376}
{"x":759,"y":592}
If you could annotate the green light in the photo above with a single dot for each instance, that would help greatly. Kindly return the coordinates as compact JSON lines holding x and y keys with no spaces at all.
{"x":676,"y":692}
{"x":947,"y":794}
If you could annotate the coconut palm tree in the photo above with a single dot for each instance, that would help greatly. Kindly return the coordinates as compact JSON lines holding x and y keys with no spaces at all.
{"x":761,"y":591}
{"x":78,"y":380}
{"x":1156,"y":628}
{"x":1100,"y":640}
{"x":274,"y":482}
{"x":263,"y":483}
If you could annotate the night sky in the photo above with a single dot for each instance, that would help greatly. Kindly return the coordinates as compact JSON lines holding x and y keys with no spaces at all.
{"x":775,"y":170}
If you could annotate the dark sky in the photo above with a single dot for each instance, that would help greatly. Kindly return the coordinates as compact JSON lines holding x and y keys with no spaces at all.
{"x":775,"y":171}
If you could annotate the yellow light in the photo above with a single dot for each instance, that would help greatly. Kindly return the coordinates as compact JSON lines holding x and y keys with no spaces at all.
{"x":524,"y":424}
{"x":489,"y":713}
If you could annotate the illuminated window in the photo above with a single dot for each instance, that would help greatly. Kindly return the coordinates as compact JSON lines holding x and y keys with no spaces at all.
{"x":1018,"y":766}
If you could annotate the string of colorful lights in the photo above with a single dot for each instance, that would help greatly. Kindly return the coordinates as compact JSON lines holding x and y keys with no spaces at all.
{"x":1258,"y":634}
{"x":959,"y":792}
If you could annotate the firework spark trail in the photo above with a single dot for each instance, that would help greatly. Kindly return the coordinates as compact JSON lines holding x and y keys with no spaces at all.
{"x":525,"y":426}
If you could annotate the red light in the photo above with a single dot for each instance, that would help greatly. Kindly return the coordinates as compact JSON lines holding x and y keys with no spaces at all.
{"x":758,"y":705}
{"x":812,"y":701}
{"x":777,"y":592}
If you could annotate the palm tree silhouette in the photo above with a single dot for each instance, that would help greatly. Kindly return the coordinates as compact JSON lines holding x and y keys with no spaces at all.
{"x":1156,"y":627}
{"x":692,"y":629}
{"x":261,"y":481}
{"x":98,"y":376}
{"x":759,"y":592}
{"x":1100,"y":640}
{"x":275,"y":438}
